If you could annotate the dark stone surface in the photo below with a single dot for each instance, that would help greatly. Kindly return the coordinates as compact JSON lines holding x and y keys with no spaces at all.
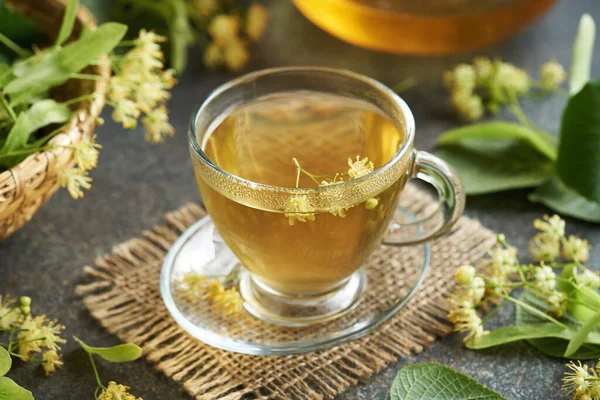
{"x":136,"y":183}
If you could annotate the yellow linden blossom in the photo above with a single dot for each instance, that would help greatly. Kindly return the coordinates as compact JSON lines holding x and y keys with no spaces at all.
{"x":341,"y":212}
{"x":359,"y":167}
{"x":297,"y":210}
{"x":229,"y":301}
{"x":115,"y":391}
{"x":51,"y":361}
{"x":257,"y":18}
{"x":86,"y":153}
{"x":9,"y":314}
{"x":36,"y":333}
{"x":75,"y":179}
{"x":141,"y":85}
{"x":224,"y":28}
{"x":157,"y":125}
{"x":236,"y":55}
{"x":203,"y":8}
{"x":213,"y":56}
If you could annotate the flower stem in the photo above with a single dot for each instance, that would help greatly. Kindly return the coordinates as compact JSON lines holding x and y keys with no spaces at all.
{"x":493,"y":312}
{"x":98,"y":381}
{"x":536,"y":312}
{"x":87,"y":76}
{"x":8,"y":108}
{"x":78,"y":99}
{"x":13,"y":46}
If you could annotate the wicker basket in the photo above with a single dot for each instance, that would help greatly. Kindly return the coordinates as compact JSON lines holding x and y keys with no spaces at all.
{"x":25,"y":187}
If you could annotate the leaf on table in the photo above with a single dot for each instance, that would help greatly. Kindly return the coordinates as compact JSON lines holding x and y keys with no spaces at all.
{"x":582,"y":300}
{"x":79,"y":54}
{"x":5,"y":361}
{"x":436,"y":381}
{"x":578,"y":162}
{"x":583,"y":49}
{"x":9,"y":390}
{"x":556,"y":346}
{"x":555,"y":195}
{"x":500,"y":130}
{"x":120,"y":353}
{"x":487,"y":166}
{"x":68,"y":21}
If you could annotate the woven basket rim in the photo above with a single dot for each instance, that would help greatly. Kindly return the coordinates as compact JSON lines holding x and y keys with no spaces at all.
{"x":85,"y":112}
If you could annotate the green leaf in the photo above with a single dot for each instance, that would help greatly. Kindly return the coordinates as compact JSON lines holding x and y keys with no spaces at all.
{"x":514,"y":333}
{"x":436,"y":381}
{"x":582,"y":334}
{"x":5,"y":361}
{"x":555,"y":195}
{"x":68,"y":21}
{"x":555,"y":346}
{"x":487,"y":166}
{"x":79,"y":54}
{"x":9,"y":390}
{"x":120,"y":353}
{"x":578,"y":162}
{"x":494,"y":130}
{"x":37,"y":73}
{"x":42,"y":113}
{"x":583,"y":49}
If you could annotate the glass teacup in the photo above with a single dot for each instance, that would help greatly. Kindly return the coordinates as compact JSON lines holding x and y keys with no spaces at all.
{"x":301,"y":170}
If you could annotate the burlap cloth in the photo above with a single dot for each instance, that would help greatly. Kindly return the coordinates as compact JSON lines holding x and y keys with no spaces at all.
{"x":123,"y":295}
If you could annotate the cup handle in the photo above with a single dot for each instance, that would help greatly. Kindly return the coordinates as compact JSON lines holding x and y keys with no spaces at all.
{"x":451,"y":193}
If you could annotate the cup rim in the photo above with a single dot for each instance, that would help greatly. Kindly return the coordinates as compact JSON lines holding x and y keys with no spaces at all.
{"x":409,"y":123}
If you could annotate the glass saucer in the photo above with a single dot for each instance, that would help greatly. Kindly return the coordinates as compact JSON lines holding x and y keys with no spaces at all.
{"x":393,"y":274}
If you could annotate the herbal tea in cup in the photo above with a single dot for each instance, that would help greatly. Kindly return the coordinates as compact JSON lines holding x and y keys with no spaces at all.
{"x":301,"y":170}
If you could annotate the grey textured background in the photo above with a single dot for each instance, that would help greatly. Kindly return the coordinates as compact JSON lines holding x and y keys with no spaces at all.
{"x":136,"y":183}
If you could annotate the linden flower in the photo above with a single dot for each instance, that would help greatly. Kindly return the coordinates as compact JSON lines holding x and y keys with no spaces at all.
{"x":157,"y":125}
{"x":588,"y":278}
{"x":512,"y":79}
{"x":204,"y":8}
{"x":552,"y":74}
{"x":557,"y":302}
{"x":576,"y":249}
{"x":86,"y":153}
{"x":9,"y":314}
{"x":199,"y":286}
{"x":359,"y":167}
{"x":465,"y":319}
{"x":578,"y":381}
{"x":462,"y":78}
{"x":127,"y":113}
{"x":116,"y":392}
{"x":465,"y":274}
{"x":75,"y":179}
{"x":552,"y":227}
{"x":150,"y":92}
{"x":503,"y":262}
{"x":257,"y":18}
{"x":297,"y":210}
{"x":484,"y":69}
{"x":545,"y":278}
{"x":544,"y":248}
{"x":51,"y":361}
{"x":224,"y":28}
{"x":236,"y":55}
{"x":213,"y":56}
{"x":467,"y":105}
{"x":38,"y":332}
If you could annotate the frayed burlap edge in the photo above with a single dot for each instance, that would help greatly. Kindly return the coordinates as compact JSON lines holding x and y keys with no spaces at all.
{"x":123,"y":295}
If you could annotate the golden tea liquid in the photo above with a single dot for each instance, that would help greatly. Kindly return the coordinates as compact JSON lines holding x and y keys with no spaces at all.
{"x":258,"y":141}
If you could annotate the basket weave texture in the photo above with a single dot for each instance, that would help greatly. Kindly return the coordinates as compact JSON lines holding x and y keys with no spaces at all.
{"x":27,"y":186}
